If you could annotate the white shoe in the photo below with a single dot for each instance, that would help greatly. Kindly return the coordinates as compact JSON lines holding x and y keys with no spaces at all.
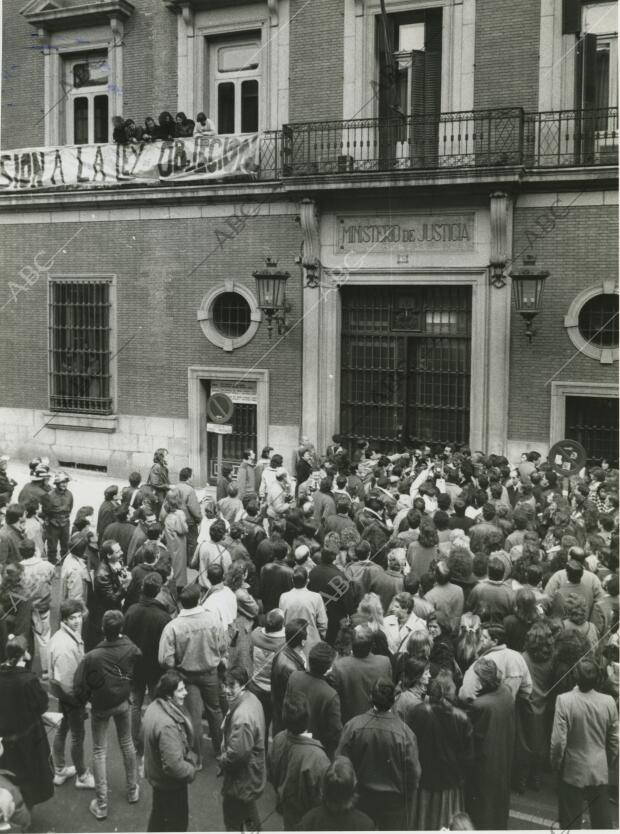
{"x":61,"y":774}
{"x":86,"y":780}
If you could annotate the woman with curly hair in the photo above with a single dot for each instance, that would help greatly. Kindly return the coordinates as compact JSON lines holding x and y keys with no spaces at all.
{"x":401,"y":621}
{"x":424,"y":553}
{"x":442,"y":649}
{"x":175,"y":526}
{"x":468,"y":640}
{"x":370,"y":613}
{"x":518,"y":624}
{"x":576,"y":612}
{"x":240,"y":652}
{"x":534,"y":723}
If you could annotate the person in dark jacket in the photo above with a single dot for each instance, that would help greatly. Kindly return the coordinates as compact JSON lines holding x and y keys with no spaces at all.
{"x":384,"y":753}
{"x":22,"y":703}
{"x":104,"y":678}
{"x":149,"y":132}
{"x":242,"y":759}
{"x":106,"y":514}
{"x":56,"y":509}
{"x":337,"y":811}
{"x":120,"y":530}
{"x":354,"y":677}
{"x":296,"y":763}
{"x":445,"y":744}
{"x":276,"y":578}
{"x":158,"y":479}
{"x":184,"y":126}
{"x":12,"y":533}
{"x":335,"y":589}
{"x":170,"y":763}
{"x":144,"y":622}
{"x":289,"y":659}
{"x":109,"y":589}
{"x":165,"y":130}
{"x":493,"y":718}
{"x":325,"y":721}
{"x":7,"y":485}
{"x":150,"y":553}
{"x":38,"y":487}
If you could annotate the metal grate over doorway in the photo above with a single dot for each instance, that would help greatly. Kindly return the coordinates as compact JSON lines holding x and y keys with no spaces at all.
{"x":406,"y":364}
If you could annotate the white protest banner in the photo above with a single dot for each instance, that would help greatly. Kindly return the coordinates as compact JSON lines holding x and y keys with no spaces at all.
{"x":199,"y":159}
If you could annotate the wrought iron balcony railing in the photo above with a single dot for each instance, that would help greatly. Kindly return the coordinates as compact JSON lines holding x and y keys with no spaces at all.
{"x":476,"y":139}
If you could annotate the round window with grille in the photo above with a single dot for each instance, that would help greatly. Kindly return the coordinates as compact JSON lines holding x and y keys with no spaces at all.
{"x":592,"y":322}
{"x":598,"y":320}
{"x":231,"y":314}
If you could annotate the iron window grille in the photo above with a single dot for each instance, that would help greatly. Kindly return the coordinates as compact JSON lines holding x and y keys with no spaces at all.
{"x":598,"y":320}
{"x":231,"y":314}
{"x":79,"y":346}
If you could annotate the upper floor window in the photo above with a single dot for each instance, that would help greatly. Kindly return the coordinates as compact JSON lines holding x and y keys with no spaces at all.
{"x":599,"y":56}
{"x":86,"y":85}
{"x":235,"y":72}
{"x":79,"y":345}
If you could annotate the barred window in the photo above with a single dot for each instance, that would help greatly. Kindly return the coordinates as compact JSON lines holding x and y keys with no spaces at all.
{"x":231,"y":314}
{"x":598,"y":320}
{"x":79,"y":346}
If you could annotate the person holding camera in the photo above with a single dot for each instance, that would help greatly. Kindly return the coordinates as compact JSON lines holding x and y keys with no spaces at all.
{"x":109,"y":589}
{"x":279,"y":496}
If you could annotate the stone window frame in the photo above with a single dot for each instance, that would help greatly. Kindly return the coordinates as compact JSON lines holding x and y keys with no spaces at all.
{"x":606,"y":356}
{"x":205,"y":316}
{"x":90,"y":27}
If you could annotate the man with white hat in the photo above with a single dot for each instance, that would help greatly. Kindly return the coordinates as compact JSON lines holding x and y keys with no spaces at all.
{"x":56,"y":508}
{"x":38,"y":487}
{"x":7,"y":485}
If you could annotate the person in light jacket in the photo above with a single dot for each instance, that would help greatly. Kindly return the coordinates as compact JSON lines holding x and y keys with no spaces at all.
{"x":584,"y":743}
{"x":169,"y":761}
{"x":66,"y":651}
{"x":242,"y":759}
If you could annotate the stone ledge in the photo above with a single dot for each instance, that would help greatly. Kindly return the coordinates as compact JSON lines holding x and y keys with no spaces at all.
{"x":81,"y":422}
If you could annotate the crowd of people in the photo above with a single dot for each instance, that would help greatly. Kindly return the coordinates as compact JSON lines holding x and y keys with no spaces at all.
{"x":393,"y":641}
{"x":127,"y":132}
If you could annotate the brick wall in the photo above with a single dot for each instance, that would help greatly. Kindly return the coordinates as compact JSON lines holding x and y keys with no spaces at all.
{"x":507,"y":43}
{"x":22,"y":81}
{"x":158,"y":300}
{"x":580,"y":251}
{"x":149,"y":71}
{"x":316,"y":60}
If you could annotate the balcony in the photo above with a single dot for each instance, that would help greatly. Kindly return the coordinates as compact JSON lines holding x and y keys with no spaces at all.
{"x":496,"y":144}
{"x":466,"y":140}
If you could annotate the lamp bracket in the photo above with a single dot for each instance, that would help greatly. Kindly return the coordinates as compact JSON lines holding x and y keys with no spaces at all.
{"x":500,"y":205}
{"x":310,"y":262}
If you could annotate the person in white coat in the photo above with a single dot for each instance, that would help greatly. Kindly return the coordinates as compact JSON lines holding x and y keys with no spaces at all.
{"x":302,"y":604}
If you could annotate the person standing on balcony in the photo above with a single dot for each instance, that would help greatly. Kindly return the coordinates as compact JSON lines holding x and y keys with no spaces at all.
{"x":204,"y":126}
{"x":184,"y":126}
{"x":167,"y":127}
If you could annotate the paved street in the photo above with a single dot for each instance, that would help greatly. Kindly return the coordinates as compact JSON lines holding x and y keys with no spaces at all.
{"x":68,"y":810}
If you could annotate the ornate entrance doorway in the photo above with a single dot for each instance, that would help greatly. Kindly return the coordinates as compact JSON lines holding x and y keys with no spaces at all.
{"x":406,"y":364}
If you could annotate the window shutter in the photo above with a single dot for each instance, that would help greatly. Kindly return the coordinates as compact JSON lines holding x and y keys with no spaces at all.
{"x":571,"y":17}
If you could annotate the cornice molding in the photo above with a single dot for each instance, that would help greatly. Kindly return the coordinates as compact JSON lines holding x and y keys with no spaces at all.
{"x":49,"y":16}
